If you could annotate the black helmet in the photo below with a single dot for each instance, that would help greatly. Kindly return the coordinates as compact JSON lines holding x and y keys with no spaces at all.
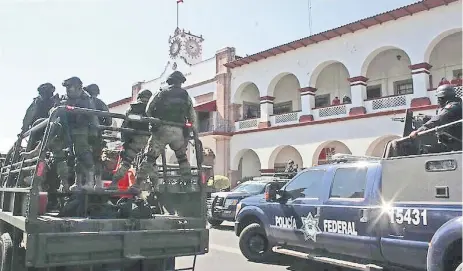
{"x":92,"y":89}
{"x":446,"y":92}
{"x":46,"y":87}
{"x":72,"y":82}
{"x":144,"y":94}
{"x":174,"y":77}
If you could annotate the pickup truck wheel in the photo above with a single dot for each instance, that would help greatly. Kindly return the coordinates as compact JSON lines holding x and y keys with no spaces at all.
{"x":254,"y":244}
{"x":214,"y":222}
{"x":6,"y":247}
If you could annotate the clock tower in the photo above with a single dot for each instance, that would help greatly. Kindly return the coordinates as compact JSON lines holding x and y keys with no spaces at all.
{"x":186,"y":46}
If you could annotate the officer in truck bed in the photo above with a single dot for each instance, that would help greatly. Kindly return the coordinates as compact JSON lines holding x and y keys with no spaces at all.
{"x":449,"y":111}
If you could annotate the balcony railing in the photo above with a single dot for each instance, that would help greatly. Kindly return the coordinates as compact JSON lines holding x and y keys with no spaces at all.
{"x":285,"y":119}
{"x":388,"y":103}
{"x":333,"y":111}
{"x":221,"y":126}
{"x":247,"y":124}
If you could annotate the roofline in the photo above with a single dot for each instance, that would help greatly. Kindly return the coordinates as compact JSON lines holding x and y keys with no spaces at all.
{"x":120,"y":102}
{"x":380,"y":18}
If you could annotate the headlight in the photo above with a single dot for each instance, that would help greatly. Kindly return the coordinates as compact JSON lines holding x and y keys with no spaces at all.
{"x":238,"y":208}
{"x":230,"y":202}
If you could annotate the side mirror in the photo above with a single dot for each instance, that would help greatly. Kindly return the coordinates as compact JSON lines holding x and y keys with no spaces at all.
{"x":270,"y":193}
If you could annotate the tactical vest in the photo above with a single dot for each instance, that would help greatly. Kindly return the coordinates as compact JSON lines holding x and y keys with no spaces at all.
{"x":43,"y":107}
{"x":173,"y":105}
{"x":79,"y":120}
{"x":454,"y":115}
{"x":139,"y":109}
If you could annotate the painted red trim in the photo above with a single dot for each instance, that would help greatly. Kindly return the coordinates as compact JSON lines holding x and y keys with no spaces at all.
{"x":423,"y":65}
{"x":311,"y":89}
{"x":344,"y":29}
{"x":371,"y":115}
{"x":207,"y":106}
{"x":357,"y":79}
{"x":267,"y":98}
{"x":421,"y":71}
{"x":267,"y":170}
{"x":120,"y":102}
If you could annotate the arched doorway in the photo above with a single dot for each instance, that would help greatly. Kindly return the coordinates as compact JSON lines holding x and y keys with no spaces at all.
{"x":388,"y":73}
{"x":376,"y":148}
{"x":330,"y":80}
{"x":286,"y":93}
{"x":248,"y":97}
{"x":248,"y":164}
{"x":326,"y":150}
{"x":445,"y":59}
{"x":281,"y":155}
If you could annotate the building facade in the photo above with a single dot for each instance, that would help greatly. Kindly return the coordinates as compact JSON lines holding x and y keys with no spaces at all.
{"x":208,"y":83}
{"x":336,"y":92}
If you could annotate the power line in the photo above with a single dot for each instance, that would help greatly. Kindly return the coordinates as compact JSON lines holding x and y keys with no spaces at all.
{"x":309,"y":7}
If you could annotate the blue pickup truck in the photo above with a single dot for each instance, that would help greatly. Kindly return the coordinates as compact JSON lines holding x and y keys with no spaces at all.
{"x":364,"y":214}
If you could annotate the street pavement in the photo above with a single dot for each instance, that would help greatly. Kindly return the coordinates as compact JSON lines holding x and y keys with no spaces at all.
{"x":224,"y":255}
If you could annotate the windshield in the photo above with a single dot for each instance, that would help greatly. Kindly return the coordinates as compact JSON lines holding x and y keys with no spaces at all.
{"x":250,"y":187}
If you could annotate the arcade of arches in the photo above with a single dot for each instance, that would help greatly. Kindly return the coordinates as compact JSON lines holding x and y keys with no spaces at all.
{"x":249,"y":164}
{"x":445,"y":59}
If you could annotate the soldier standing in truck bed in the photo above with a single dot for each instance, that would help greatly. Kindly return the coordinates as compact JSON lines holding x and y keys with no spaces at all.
{"x":171,"y":104}
{"x":95,"y":139}
{"x":449,"y":111}
{"x":132,"y":143}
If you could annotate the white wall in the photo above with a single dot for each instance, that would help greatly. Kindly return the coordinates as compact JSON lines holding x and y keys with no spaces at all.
{"x":250,"y":165}
{"x":446,"y":57}
{"x":288,"y":153}
{"x":385,"y":69}
{"x":287,"y":89}
{"x":121,"y":109}
{"x":354,"y":49}
{"x":333,"y":80}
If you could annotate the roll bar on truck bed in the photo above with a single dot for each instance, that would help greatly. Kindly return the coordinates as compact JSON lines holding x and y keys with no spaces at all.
{"x":31,"y":239}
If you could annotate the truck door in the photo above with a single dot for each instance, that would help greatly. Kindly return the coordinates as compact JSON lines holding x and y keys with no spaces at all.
{"x":344,"y":224}
{"x":290,"y":215}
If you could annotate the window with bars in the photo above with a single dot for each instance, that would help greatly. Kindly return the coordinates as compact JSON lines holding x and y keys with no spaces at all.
{"x":283,"y":108}
{"x":403,"y":87}
{"x":374,"y":92}
{"x":322,"y":100}
{"x":251,"y":110}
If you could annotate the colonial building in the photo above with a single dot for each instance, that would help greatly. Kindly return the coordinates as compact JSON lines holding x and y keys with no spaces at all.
{"x":336,"y":91}
{"x":208,"y":83}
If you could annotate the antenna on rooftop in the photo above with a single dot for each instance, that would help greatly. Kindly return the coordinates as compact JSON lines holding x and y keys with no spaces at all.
{"x":309,"y":6}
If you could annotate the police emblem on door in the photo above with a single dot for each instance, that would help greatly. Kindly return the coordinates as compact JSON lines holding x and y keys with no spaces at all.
{"x":310,"y":227}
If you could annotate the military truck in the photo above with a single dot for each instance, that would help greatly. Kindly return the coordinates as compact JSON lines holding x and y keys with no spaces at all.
{"x":132,"y":235}
{"x":365,"y":213}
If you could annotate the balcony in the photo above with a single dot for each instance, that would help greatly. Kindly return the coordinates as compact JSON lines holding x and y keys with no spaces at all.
{"x":394,"y":102}
{"x":285,"y":119}
{"x":331,"y":112}
{"x":218,"y":126}
{"x":247,"y":124}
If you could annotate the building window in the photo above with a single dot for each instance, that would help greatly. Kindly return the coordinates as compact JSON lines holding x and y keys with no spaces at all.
{"x":456,"y":73}
{"x":283,"y":108}
{"x":403,"y":87}
{"x":204,"y":119}
{"x":374,"y":92}
{"x":322,"y":100}
{"x":251,"y":110}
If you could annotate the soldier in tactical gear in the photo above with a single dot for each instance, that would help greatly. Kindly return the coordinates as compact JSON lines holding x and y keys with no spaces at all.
{"x":39,"y":108}
{"x":133,"y":144}
{"x":449,"y":111}
{"x":171,"y":104}
{"x":96,"y":140}
{"x":76,"y":129}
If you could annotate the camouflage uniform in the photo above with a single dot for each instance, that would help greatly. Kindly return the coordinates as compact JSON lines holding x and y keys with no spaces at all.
{"x":170,"y":104}
{"x":39,"y":109}
{"x":133,"y":144}
{"x":78,"y":127}
{"x":95,"y":136}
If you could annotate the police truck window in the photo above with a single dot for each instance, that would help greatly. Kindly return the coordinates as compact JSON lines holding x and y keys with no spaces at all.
{"x":349,"y":183}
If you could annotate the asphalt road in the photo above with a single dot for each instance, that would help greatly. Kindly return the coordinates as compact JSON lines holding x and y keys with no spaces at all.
{"x":224,"y":255}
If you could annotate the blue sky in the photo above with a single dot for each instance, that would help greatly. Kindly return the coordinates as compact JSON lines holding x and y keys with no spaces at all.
{"x":115,"y":43}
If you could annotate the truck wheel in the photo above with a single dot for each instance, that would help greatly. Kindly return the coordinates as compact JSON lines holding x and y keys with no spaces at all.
{"x":254,"y":244}
{"x":6,"y":246}
{"x":214,"y":222}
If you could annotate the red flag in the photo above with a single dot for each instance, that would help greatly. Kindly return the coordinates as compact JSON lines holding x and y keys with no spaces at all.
{"x":179,"y":1}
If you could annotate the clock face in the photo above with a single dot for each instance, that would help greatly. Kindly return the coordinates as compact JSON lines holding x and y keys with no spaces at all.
{"x":193,"y":48}
{"x":174,"y":48}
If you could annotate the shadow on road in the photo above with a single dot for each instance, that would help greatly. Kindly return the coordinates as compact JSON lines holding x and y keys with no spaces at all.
{"x":223,"y":228}
{"x":303,"y":265}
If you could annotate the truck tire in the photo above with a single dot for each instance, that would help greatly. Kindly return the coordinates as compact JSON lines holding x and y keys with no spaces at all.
{"x":254,"y":244}
{"x":6,"y":247}
{"x":214,"y":222}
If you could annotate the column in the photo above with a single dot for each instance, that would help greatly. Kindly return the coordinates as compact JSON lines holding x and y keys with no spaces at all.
{"x":307,"y":103}
{"x":266,"y":110}
{"x":358,"y":91}
{"x":420,"y":75}
{"x":135,"y":89}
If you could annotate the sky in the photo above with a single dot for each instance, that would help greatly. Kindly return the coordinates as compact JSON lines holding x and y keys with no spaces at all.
{"x":115,"y":43}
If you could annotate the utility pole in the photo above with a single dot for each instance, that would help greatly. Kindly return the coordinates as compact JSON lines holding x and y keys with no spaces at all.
{"x":309,"y":6}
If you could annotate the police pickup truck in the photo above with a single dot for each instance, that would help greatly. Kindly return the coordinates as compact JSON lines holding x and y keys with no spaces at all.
{"x":222,"y":205}
{"x":362,"y":213}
